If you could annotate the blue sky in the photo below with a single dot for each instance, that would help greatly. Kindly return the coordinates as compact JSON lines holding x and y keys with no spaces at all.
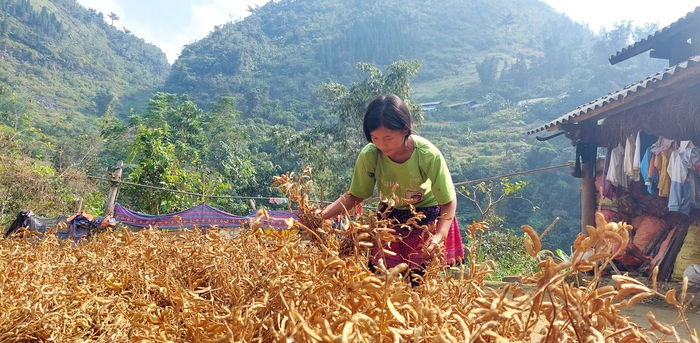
{"x":171,"y":24}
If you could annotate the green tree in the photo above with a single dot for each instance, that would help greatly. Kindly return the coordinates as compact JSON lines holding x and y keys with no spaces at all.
{"x":348,"y":103}
{"x":182,"y":119}
{"x":169,"y":150}
{"x":113,"y":16}
{"x":332,"y":148}
{"x":157,"y":165}
{"x":488,"y":71}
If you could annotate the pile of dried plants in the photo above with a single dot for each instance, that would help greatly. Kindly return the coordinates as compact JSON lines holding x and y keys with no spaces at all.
{"x":253,"y":287}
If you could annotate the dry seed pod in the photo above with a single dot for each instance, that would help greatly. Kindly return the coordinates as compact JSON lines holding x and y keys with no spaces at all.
{"x":600,"y":223}
{"x":395,"y":313}
{"x":529,"y":249}
{"x":661,"y":327}
{"x":592,"y":233}
{"x":671,"y":297}
{"x":614,"y":236}
{"x":638,"y":297}
{"x":537,"y":244}
{"x":578,"y":242}
{"x":587,"y":244}
{"x":625,"y":234}
{"x":626,"y":289}
{"x":363,"y":236}
{"x":626,"y":279}
{"x":631,"y":338}
{"x":604,"y":291}
{"x":611,"y":226}
{"x":598,"y":257}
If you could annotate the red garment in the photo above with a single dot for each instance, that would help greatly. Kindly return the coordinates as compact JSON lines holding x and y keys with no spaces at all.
{"x":409,"y":248}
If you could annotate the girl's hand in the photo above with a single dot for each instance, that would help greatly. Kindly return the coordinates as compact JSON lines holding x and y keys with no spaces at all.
{"x":431,"y":246}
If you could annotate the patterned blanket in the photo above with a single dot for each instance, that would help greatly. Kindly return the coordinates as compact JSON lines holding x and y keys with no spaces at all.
{"x":201,"y":216}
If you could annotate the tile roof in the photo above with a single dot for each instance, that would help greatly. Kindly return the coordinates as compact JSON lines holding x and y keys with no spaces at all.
{"x":646,"y":44}
{"x":621,"y":95}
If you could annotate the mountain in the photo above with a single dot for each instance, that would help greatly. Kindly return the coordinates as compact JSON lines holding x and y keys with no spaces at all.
{"x":519,"y":60}
{"x":68,"y":65}
{"x":244,"y":103}
{"x":280,"y":54}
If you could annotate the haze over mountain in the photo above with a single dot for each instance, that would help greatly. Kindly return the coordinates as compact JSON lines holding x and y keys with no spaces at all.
{"x":172,"y":24}
{"x":253,"y":98}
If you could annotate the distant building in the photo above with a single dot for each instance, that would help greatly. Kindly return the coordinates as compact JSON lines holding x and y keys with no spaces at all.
{"x":466,"y":104}
{"x":430,"y":106}
{"x":532,"y":101}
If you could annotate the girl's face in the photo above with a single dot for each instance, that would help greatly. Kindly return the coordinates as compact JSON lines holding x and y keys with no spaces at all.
{"x":389,"y":142}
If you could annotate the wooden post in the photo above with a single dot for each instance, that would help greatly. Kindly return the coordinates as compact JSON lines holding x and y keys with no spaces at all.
{"x":78,"y":205}
{"x":114,"y":189}
{"x":588,"y":197}
{"x":588,"y":166}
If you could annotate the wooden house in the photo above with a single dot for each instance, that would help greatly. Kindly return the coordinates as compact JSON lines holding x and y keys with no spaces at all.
{"x":666,"y":104}
{"x":430,"y":106}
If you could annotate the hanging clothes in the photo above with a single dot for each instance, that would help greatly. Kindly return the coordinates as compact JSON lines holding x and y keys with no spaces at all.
{"x":684,"y":181}
{"x":628,"y":163}
{"x":661,"y":144}
{"x":608,"y":191}
{"x":661,"y":164}
{"x":637,"y":155}
{"x":644,"y":169}
{"x":616,"y":174}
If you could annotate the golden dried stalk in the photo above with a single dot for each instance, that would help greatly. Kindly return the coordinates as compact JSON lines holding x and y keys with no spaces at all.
{"x":254,"y":287}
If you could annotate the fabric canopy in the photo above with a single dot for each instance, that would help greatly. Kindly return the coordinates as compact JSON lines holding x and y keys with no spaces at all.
{"x":201,"y":216}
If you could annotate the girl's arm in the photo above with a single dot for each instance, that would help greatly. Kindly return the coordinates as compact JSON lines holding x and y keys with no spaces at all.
{"x":345,"y":202}
{"x":447,"y":214}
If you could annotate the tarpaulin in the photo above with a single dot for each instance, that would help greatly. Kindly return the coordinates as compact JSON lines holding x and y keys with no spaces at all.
{"x":201,"y":216}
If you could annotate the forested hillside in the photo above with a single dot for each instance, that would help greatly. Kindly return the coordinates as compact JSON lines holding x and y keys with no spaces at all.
{"x":284,"y":88}
{"x":278,"y":56}
{"x":521,"y":61}
{"x":63,"y":66}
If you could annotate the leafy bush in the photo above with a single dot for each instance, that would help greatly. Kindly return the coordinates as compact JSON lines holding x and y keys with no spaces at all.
{"x":507,"y":250}
{"x":28,"y":184}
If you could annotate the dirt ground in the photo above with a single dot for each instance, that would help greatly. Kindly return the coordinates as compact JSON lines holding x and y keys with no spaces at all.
{"x":662,"y":311}
{"x":665,"y":314}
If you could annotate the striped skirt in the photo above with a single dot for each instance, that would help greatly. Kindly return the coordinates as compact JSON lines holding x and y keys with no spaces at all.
{"x":409,"y":247}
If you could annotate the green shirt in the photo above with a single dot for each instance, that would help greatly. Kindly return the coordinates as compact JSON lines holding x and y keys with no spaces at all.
{"x":424,"y":177}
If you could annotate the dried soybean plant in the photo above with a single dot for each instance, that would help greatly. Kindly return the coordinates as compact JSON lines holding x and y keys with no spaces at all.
{"x":297,"y":189}
{"x":352,"y":237}
{"x":583,"y":311}
{"x":186,"y":286}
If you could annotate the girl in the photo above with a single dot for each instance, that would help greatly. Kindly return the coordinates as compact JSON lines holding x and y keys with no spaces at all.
{"x":397,"y":156}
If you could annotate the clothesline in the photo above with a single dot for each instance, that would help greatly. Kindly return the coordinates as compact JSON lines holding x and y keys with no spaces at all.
{"x":569,"y":164}
{"x":184,"y":192}
{"x":276,"y":199}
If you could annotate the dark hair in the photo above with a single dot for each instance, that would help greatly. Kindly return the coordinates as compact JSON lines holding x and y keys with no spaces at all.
{"x":388,"y":111}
